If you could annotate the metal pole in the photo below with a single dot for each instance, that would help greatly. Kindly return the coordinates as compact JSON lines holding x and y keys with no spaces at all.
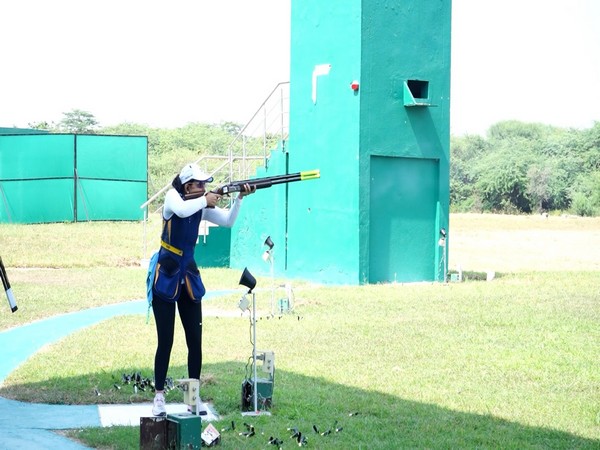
{"x":272,"y":287}
{"x":282,"y":112}
{"x":145,"y":246}
{"x":244,"y":166}
{"x":265,"y":136}
{"x":254,"y":390}
{"x":445,"y":261}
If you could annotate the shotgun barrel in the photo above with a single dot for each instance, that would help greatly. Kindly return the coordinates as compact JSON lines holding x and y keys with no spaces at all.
{"x":267,"y":182}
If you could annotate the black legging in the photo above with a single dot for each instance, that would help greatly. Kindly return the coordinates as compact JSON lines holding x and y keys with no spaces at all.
{"x":191,"y":319}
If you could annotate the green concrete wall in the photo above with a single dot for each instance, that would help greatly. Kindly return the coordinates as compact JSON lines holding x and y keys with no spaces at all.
{"x":405,"y":43}
{"x":383,"y":196}
{"x":324,"y":216}
{"x":383,"y":150}
{"x":264,"y":214}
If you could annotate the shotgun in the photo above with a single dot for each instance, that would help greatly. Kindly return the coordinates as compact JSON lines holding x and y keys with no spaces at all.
{"x":261,"y":183}
{"x":11,"y":298}
{"x":266,"y":182}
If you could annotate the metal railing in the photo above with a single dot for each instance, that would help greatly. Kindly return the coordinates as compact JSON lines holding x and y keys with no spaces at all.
{"x":249,"y":149}
{"x":268,"y":126}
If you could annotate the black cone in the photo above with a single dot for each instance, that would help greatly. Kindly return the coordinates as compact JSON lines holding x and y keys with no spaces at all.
{"x":248,"y":280}
{"x":269,"y":243}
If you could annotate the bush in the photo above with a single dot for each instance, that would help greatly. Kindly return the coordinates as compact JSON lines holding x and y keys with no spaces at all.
{"x":582,"y":205}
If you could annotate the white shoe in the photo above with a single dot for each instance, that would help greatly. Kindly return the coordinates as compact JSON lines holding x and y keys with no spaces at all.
{"x":200,"y":407}
{"x":159,"y":405}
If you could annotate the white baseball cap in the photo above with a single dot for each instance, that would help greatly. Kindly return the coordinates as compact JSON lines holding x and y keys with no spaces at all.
{"x":193,"y":172}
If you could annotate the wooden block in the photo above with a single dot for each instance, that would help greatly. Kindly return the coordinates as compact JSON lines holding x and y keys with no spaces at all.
{"x":153,"y":433}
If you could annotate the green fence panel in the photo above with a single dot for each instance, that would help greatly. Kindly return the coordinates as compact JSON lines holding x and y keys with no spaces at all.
{"x":113,"y":157}
{"x":37,"y":177}
{"x":4,"y":130}
{"x":110,"y":200}
{"x":36,"y":201}
{"x":37,"y":156}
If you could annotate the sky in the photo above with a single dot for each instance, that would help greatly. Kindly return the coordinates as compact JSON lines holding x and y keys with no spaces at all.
{"x":166,"y":64}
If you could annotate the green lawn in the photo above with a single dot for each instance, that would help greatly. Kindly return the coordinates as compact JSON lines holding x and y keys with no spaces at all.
{"x":511,"y":363}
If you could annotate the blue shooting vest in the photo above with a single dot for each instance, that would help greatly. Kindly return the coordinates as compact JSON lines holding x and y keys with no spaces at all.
{"x":176,"y":268}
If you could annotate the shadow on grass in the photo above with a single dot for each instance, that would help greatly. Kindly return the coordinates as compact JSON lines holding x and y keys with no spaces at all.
{"x":365,"y":418}
{"x":385,"y":421}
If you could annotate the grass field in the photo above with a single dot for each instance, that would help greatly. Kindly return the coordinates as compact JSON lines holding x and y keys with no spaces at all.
{"x":511,"y":363}
{"x":504,"y":243}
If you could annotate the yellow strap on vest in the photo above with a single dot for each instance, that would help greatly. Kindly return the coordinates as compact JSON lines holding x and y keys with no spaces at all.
{"x":172,"y":249}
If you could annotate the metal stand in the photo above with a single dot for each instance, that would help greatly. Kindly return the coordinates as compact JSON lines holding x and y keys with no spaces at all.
{"x":191,"y":394}
{"x":268,"y":257}
{"x":443,"y":243}
{"x":445,"y":261}
{"x":256,"y":411}
{"x":272,"y":285}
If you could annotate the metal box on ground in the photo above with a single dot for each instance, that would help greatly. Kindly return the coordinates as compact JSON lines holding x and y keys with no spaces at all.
{"x":264,"y":389}
{"x":174,"y":432}
{"x":184,"y":431}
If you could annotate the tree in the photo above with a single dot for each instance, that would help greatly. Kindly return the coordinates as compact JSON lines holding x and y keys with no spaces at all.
{"x":523,"y":167}
{"x":515,"y":130}
{"x":43,"y":125}
{"x":463,"y":172}
{"x":538,"y":185}
{"x":591,"y":147}
{"x":586,"y":194}
{"x":231,"y":128}
{"x":78,"y":121}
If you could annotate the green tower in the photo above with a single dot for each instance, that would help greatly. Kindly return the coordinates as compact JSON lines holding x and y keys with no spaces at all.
{"x":369,"y":107}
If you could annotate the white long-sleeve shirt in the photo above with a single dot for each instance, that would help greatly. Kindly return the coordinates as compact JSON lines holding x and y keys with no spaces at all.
{"x":174,"y":204}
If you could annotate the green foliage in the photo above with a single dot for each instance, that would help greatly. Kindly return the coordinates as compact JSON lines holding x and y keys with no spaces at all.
{"x":465,"y":150}
{"x":525,"y":167}
{"x":209,"y":144}
{"x":77,"y":121}
{"x":582,"y":205}
{"x":538,"y":186}
{"x":586,"y":195}
{"x":547,"y":185}
{"x":43,"y":125}
{"x":514,"y":130}
{"x":591,"y":147}
{"x":170,"y":149}
{"x":502,"y":180}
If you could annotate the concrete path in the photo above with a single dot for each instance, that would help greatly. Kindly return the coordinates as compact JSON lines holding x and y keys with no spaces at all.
{"x":29,"y":425}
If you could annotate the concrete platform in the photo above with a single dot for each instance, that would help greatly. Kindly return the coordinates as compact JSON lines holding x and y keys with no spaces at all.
{"x":130,"y":414}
